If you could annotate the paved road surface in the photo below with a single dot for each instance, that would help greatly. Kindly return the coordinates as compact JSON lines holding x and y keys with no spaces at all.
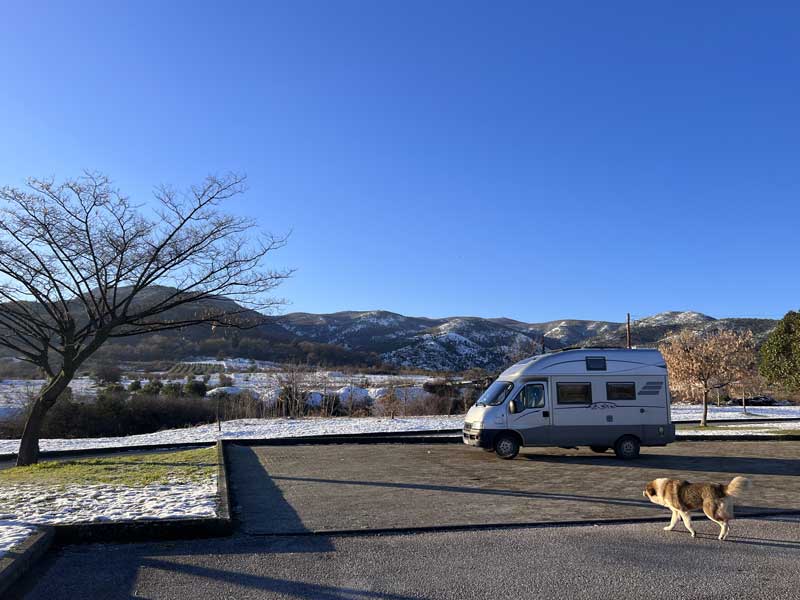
{"x":760,"y":560}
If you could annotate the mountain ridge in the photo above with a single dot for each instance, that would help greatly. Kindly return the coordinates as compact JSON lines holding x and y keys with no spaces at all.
{"x":378,"y":338}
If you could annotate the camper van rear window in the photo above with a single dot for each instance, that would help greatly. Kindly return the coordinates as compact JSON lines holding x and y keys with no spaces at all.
{"x":620,"y":391}
{"x":595,"y":363}
{"x":574,"y":393}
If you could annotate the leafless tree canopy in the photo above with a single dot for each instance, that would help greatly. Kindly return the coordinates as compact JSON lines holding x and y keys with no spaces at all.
{"x":81,"y":264}
{"x":76,"y":257}
{"x":710,"y":361}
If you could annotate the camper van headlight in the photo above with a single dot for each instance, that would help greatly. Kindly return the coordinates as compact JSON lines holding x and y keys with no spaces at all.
{"x":477,"y":425}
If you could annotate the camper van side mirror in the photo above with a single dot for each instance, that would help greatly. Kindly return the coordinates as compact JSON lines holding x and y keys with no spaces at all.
{"x":512,"y":407}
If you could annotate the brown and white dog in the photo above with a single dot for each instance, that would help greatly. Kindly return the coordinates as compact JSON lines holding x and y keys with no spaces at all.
{"x":681,"y":497}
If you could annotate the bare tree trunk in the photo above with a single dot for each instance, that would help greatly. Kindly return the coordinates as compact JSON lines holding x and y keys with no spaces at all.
{"x":29,"y":444}
{"x":704,"y":420}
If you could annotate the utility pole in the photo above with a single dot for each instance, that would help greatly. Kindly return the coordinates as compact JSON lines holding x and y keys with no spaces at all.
{"x":628,"y":330}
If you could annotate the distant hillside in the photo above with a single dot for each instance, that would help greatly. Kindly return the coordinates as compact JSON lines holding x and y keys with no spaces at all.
{"x":375,"y":338}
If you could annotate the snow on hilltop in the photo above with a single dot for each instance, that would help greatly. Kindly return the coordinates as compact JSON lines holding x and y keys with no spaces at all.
{"x":687,"y":317}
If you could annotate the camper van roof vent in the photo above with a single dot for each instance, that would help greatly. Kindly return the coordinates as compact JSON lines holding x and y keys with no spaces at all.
{"x":595,"y":363}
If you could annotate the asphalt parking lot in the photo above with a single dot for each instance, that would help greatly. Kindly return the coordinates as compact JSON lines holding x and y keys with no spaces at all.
{"x":302,"y":489}
{"x":316,"y":522}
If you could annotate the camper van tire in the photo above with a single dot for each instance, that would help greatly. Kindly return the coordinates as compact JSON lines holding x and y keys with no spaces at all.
{"x":506,"y":445}
{"x":627,"y":447}
{"x":599,"y":449}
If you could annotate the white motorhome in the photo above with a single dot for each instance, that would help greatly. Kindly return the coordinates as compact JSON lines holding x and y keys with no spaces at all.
{"x":597,"y":397}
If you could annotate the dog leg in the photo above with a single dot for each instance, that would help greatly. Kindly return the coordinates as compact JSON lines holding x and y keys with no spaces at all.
{"x":672,"y":521}
{"x":687,"y":521}
{"x":717,"y":514}
{"x":724,"y":516}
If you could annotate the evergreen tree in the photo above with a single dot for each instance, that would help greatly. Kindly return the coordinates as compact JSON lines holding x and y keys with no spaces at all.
{"x":780,"y":354}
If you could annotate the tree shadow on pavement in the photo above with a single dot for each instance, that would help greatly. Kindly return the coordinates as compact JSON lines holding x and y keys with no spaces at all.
{"x":475,"y":490}
{"x":284,"y":587}
{"x":752,"y":541}
{"x":738,"y":465}
{"x":259,"y":504}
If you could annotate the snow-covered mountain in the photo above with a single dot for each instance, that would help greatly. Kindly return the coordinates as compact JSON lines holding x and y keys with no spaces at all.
{"x":458,"y":343}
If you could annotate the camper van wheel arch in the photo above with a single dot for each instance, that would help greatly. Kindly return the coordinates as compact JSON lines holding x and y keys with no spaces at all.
{"x":506,"y":445}
{"x":627,"y":447}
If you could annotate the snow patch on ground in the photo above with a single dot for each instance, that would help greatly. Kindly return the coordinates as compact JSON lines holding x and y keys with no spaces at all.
{"x":34,"y":504}
{"x":12,"y":534}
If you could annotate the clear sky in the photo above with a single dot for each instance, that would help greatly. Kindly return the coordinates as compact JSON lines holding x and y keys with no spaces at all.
{"x":530,"y":160}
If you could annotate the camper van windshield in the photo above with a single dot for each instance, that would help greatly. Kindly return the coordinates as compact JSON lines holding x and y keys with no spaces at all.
{"x":495,"y":393}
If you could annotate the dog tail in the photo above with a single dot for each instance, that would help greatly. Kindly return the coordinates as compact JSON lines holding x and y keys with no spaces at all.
{"x":737,"y":486}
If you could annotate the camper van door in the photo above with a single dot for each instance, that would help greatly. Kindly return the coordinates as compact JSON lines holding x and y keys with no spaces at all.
{"x":531,"y":416}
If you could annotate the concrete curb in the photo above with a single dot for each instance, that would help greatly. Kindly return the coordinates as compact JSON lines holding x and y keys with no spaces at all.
{"x":224,"y":499}
{"x":322,"y":440}
{"x":23,"y":557}
{"x":755,"y":421}
{"x":498,"y":526}
{"x":187,"y":445}
{"x":751,"y":437}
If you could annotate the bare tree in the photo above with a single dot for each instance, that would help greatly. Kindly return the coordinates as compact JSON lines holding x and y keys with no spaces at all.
{"x":709,"y":361}
{"x":80,"y":264}
{"x":749,"y":383}
{"x":292,"y":382}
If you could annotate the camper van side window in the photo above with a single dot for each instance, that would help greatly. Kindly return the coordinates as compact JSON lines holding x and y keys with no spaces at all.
{"x":574,"y":393}
{"x":620,"y":391}
{"x":531,"y":396}
{"x":595,"y":363}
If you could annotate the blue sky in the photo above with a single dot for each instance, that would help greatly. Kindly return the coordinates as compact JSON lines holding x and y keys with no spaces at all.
{"x":530,"y":160}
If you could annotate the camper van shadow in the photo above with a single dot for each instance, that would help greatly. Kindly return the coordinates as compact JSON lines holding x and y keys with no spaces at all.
{"x":660,"y":464}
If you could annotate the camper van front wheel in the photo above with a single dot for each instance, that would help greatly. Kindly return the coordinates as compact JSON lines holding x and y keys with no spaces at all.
{"x":627,"y":447}
{"x":506,"y":446}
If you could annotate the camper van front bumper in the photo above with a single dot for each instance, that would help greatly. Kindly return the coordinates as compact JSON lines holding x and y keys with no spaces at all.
{"x":482,"y":438}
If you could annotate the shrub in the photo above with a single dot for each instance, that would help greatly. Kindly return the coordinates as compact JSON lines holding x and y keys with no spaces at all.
{"x":152,"y":387}
{"x":172,"y":390}
{"x":107,"y":373}
{"x":780,"y":354}
{"x":195,"y":388}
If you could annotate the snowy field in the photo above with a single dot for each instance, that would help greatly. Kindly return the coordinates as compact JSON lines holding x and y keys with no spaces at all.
{"x":15,"y":393}
{"x":12,"y":534}
{"x":693,"y":412}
